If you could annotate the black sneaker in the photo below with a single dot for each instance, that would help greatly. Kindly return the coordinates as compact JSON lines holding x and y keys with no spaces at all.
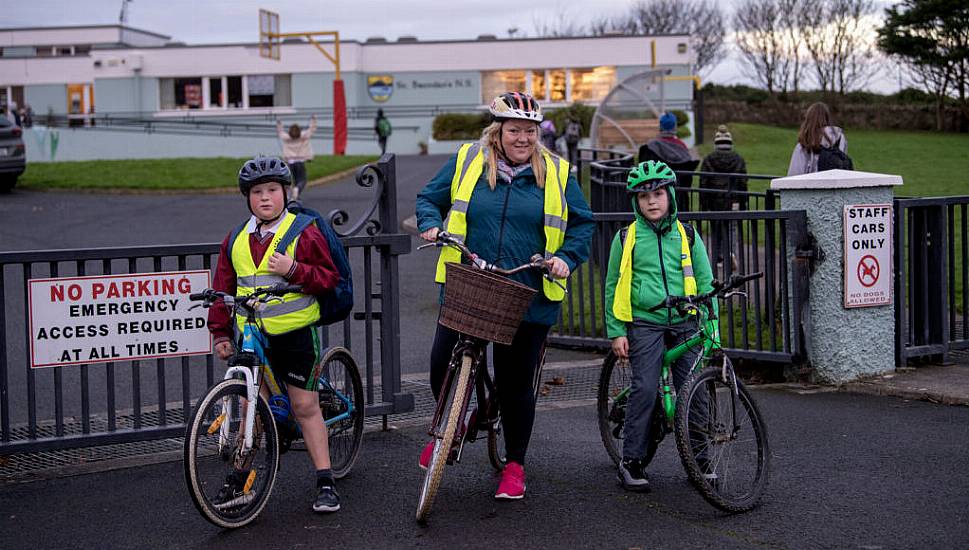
{"x":232,"y":493}
{"x":327,"y":500}
{"x":631,"y":475}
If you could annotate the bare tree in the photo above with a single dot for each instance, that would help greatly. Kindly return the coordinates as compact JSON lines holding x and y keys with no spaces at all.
{"x":701,"y":19}
{"x":560,"y":25}
{"x":840,"y":41}
{"x":793,"y":39}
{"x":760,"y":38}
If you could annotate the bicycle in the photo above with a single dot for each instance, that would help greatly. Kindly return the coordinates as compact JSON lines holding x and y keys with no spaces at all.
{"x":483,"y":306}
{"x":225,"y":435}
{"x":712,"y":416}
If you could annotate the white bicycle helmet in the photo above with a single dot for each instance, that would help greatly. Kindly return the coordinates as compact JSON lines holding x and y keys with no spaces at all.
{"x":516,"y":105}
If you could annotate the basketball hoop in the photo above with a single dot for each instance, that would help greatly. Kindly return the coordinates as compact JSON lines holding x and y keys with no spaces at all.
{"x":268,"y":34}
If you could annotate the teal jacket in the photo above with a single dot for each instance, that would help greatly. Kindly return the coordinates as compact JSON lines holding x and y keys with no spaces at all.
{"x":506,"y":226}
{"x":657,"y":272}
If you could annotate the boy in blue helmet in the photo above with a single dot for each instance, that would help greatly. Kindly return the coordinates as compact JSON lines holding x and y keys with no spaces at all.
{"x":659,"y":257}
{"x":294,"y":346}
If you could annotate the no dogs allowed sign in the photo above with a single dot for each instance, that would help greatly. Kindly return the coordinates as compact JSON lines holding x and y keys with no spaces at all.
{"x":868,"y":255}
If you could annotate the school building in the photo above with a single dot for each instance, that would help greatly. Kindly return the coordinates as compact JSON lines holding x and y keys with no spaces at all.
{"x":113,"y":91}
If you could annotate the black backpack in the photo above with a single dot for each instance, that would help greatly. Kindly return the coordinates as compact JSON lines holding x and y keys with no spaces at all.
{"x":833,"y":158}
{"x":337,"y":305}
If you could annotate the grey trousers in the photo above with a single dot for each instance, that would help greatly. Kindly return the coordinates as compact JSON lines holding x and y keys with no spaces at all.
{"x":647,"y":344}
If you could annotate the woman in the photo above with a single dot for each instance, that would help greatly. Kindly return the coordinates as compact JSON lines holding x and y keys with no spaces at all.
{"x":816,"y":134}
{"x":510,"y":190}
{"x":297,"y":150}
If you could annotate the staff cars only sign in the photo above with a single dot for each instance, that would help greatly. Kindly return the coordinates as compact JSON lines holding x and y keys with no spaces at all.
{"x":77,"y":320}
{"x":868,"y":255}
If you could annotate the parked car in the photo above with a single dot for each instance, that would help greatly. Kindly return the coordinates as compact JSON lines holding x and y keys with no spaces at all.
{"x":13,"y":155}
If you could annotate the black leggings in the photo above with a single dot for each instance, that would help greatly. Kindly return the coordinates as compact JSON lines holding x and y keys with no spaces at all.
{"x":514,"y":378}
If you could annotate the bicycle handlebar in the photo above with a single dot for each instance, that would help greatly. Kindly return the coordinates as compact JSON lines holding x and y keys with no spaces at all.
{"x":208,"y":296}
{"x":719,"y":290}
{"x":535,"y":262}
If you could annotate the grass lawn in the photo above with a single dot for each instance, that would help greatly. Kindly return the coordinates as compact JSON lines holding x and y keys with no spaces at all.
{"x":931,"y":164}
{"x":159,"y":174}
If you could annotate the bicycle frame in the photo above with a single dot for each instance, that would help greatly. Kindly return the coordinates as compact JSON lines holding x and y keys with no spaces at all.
{"x":254,"y":344}
{"x":707,"y":335}
{"x":476,"y":347}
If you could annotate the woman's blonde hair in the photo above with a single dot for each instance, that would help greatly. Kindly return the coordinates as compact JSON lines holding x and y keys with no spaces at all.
{"x":491,"y":142}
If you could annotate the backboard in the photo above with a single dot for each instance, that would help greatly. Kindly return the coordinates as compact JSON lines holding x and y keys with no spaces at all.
{"x":268,"y":34}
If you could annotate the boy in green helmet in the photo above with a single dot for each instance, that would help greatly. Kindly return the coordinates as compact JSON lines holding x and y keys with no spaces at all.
{"x":654,"y":257}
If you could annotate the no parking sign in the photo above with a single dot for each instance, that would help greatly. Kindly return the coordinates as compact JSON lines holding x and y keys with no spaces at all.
{"x":868,"y":255}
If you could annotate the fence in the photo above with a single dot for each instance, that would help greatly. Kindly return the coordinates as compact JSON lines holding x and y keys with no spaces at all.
{"x":772,"y":325}
{"x":931,"y":277}
{"x":113,"y":402}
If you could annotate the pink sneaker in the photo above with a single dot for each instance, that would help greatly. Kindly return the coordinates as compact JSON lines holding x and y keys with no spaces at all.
{"x":426,"y":455}
{"x":512,"y":485}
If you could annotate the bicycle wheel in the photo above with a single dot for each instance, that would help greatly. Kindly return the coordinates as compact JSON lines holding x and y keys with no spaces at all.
{"x":611,"y":410}
{"x":230,"y":489}
{"x":722,"y":440}
{"x":340,"y":382}
{"x":611,"y":405}
{"x":442,"y":446}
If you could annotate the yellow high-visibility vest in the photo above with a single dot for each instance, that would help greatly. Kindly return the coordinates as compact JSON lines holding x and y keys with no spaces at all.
{"x":622,"y":307}
{"x":469,"y":167}
{"x":296,"y":310}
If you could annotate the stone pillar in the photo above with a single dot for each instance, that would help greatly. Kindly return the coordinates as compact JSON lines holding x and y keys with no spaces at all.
{"x":847,"y":343}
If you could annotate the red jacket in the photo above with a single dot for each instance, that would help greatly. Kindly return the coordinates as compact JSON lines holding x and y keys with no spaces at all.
{"x":313,"y":270}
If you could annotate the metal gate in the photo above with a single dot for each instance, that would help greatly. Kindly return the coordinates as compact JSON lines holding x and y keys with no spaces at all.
{"x":126,"y":401}
{"x":772,"y":325}
{"x":931,"y":277}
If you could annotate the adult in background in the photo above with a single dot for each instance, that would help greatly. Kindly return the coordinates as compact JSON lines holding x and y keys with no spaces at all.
{"x":572,"y":135}
{"x":820,"y":144}
{"x":670,"y":149}
{"x":507,"y":203}
{"x":723,"y":159}
{"x":549,"y":135}
{"x":297,"y":150}
{"x":383,"y":129}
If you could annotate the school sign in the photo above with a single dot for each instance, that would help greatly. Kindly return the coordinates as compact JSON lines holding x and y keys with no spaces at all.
{"x":80,"y":320}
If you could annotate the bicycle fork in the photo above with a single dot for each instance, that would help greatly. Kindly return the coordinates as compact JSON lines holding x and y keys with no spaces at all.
{"x":252,"y":395}
{"x":462,"y":350}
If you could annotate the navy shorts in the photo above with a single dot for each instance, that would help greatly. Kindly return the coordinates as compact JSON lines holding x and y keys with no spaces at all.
{"x":294,"y":358}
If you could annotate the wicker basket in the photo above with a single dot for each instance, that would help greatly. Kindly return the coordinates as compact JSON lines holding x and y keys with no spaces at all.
{"x":483,"y":304}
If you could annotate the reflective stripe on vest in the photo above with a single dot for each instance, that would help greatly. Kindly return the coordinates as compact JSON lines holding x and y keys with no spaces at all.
{"x":622,"y":308}
{"x":277,"y":317}
{"x":468,"y":170}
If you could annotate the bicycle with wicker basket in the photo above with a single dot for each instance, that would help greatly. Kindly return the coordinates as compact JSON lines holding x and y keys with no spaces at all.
{"x":484,"y":306}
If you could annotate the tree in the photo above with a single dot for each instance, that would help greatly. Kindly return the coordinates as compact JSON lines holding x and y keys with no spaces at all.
{"x":838,"y":39}
{"x":701,"y":19}
{"x":760,"y":39}
{"x":931,"y":37}
{"x":791,"y":15}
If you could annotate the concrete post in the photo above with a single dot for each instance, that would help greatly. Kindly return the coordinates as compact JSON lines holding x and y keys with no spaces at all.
{"x":847,"y":343}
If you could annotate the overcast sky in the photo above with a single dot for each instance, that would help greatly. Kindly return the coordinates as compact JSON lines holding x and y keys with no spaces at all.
{"x":207,"y":21}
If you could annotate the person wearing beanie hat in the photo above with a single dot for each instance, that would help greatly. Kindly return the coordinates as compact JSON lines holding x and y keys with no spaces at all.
{"x":722,"y":160}
{"x":670,"y":149}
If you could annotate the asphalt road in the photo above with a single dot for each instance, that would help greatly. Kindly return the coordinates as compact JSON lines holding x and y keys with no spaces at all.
{"x":848,"y":471}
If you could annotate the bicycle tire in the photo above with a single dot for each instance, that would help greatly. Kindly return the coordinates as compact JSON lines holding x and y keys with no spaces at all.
{"x":721,"y":481}
{"x":496,"y":446}
{"x":345,"y":436}
{"x":609,"y":425}
{"x":442,"y":446}
{"x":200,"y":446}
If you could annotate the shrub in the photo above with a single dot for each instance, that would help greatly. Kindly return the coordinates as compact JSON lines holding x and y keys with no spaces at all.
{"x":454,"y":126}
{"x":681,"y":117}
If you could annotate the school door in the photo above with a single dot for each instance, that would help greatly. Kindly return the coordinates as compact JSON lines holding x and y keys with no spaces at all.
{"x":80,"y":103}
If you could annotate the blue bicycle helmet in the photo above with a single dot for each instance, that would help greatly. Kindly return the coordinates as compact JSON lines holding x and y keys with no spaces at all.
{"x":262,"y":170}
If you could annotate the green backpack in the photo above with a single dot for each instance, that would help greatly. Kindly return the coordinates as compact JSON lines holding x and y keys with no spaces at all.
{"x":383,"y":128}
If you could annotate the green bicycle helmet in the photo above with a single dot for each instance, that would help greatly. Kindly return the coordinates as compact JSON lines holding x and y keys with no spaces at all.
{"x":649,"y":176}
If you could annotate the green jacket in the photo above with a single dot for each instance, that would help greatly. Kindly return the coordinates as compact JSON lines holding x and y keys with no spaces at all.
{"x":654,"y":280}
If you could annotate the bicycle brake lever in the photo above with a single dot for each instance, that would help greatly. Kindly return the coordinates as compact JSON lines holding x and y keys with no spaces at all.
{"x":733,"y":293}
{"x":556,"y":282}
{"x":428,"y":245}
{"x":198,"y":306}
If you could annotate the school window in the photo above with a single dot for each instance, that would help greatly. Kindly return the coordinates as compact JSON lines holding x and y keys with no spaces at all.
{"x":592,"y":84}
{"x":495,"y":83}
{"x":225,"y":92}
{"x":538,"y":81}
{"x":556,"y":86}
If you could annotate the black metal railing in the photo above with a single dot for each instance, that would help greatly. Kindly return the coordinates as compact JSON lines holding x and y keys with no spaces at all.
{"x":931,"y":277}
{"x":107,"y":402}
{"x":772,"y":325}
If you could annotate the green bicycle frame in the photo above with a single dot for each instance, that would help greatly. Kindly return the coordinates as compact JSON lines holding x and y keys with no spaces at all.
{"x":708,"y":334}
